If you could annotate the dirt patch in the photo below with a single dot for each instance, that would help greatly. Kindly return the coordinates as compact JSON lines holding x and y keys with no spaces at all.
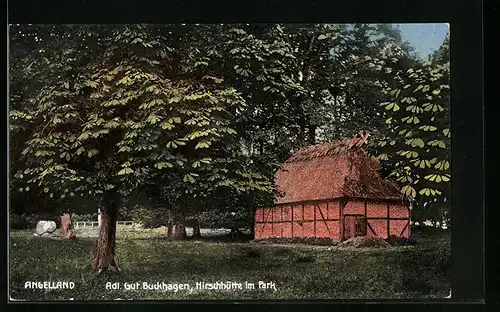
{"x":365,"y":242}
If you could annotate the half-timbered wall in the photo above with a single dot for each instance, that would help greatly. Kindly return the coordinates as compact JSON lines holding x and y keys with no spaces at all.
{"x":326,"y":219}
{"x":315,"y":219}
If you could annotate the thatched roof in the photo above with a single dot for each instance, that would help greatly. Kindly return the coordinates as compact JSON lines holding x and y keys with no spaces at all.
{"x":333,"y":170}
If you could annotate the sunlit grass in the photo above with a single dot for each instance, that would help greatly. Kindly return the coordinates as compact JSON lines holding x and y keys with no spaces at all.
{"x":420,"y":271}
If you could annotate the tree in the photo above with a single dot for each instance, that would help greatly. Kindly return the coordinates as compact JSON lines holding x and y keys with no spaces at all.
{"x":416,"y":152}
{"x":441,"y":55}
{"x":302,"y":83}
{"x":134,"y":114}
{"x":393,"y":33}
{"x":170,"y":112}
{"x":297,"y":80}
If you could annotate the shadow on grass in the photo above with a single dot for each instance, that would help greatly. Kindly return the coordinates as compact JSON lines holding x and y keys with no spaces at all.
{"x":425,"y":268}
{"x":226,"y":238}
{"x":420,"y":271}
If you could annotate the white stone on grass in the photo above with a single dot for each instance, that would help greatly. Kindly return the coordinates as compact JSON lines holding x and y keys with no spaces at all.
{"x":43,"y":227}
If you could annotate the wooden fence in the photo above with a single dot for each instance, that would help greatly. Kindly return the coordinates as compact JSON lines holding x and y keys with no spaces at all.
{"x":95,"y":224}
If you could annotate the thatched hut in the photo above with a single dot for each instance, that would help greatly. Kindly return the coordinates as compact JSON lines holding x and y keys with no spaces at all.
{"x":334,"y":190}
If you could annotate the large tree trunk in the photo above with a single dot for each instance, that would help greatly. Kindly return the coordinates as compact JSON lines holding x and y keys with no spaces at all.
{"x":180,"y":227}
{"x":66,"y":229}
{"x":104,"y":254}
{"x":196,"y":229}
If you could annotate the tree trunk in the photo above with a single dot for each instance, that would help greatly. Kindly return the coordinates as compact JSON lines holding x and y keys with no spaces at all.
{"x":235,"y":233}
{"x":312,"y":135}
{"x":170,"y":226}
{"x":170,"y":229}
{"x":180,"y":227}
{"x":416,"y":211}
{"x":252,"y":229}
{"x":103,"y":258}
{"x":66,"y":228}
{"x":196,"y":229}
{"x":301,"y":136}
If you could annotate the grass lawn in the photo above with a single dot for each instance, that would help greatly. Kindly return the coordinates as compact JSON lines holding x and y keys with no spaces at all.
{"x":299,"y":272}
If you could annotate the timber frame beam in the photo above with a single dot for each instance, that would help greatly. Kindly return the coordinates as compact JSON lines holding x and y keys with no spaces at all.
{"x":341,"y":217}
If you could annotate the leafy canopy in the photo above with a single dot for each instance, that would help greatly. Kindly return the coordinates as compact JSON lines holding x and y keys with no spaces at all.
{"x":128,"y":117}
{"x":417,"y":147}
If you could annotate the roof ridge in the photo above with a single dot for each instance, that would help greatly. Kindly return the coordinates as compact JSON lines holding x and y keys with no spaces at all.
{"x":337,"y":147}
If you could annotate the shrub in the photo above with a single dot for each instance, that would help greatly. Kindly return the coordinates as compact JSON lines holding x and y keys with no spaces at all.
{"x":226,"y":219}
{"x":29,"y":221}
{"x":17,"y":222}
{"x":149,"y":217}
{"x":84,"y":217}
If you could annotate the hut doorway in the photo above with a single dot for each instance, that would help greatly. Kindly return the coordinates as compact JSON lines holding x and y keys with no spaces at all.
{"x":354,"y":225}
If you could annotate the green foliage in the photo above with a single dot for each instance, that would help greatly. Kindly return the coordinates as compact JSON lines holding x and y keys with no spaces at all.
{"x":437,"y":212}
{"x":226,"y":219}
{"x":149,"y":217}
{"x":84,"y":217}
{"x":190,"y":109}
{"x":29,"y":221}
{"x":125,"y":121}
{"x":302,"y":83}
{"x":416,"y":150}
{"x":442,"y":55}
